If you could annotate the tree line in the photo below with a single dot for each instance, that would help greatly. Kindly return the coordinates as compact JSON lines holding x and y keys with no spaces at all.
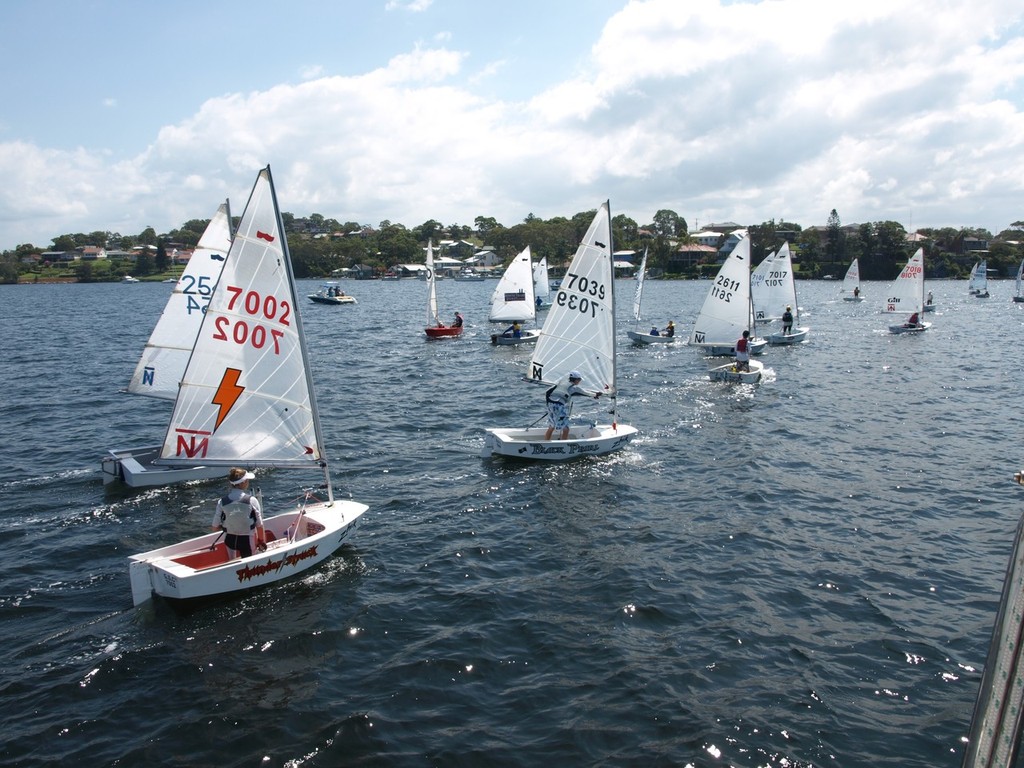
{"x":881,"y":247}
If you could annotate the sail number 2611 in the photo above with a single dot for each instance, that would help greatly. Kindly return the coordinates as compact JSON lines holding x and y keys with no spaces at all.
{"x":577,"y":292}
{"x":262,"y":309}
{"x":724,"y":288}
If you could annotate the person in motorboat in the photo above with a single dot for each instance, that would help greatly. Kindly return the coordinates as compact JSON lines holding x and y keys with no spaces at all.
{"x":743,"y":352}
{"x":670,"y":329}
{"x":458,"y":320}
{"x":913,"y":322}
{"x":558,"y":402}
{"x":239,"y":515}
{"x":787,"y":321}
{"x":514,"y":331}
{"x":654,"y":331}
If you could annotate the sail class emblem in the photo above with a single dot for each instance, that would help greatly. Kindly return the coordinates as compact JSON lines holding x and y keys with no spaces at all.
{"x":264,"y":236}
{"x":227,"y":394}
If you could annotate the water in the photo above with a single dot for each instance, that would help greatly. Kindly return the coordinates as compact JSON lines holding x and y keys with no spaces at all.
{"x":800,"y":573}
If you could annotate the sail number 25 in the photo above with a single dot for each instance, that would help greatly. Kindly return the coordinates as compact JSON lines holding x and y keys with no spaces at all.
{"x":265,"y":311}
{"x":577,"y":292}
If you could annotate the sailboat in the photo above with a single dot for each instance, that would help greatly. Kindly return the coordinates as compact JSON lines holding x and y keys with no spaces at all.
{"x":1020,"y":274}
{"x":906,"y":294}
{"x":578,"y":335}
{"x":247,"y":399}
{"x":851,"y":283}
{"x":759,"y":294}
{"x":641,"y":337}
{"x":541,"y":284}
{"x":780,"y":279}
{"x":727,"y":309}
{"x":166,"y":354}
{"x":979,"y":280}
{"x":513,"y":300}
{"x":435,"y":328}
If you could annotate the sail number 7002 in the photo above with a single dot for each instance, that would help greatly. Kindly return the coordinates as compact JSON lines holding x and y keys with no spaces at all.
{"x":263,"y":309}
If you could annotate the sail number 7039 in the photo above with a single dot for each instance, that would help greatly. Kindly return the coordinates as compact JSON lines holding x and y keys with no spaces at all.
{"x":577,"y":292}
{"x":262,"y":309}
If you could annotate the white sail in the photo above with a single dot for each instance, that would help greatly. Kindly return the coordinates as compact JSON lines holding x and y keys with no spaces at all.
{"x":852,"y":280}
{"x":166,"y":353}
{"x":1020,"y":274}
{"x":246,"y":396}
{"x":513,"y":298}
{"x":906,"y":294}
{"x":979,"y":277}
{"x":725,"y":313}
{"x":432,"y":316}
{"x":638,"y":296}
{"x":579,"y":333}
{"x":759,"y":288}
{"x":778,"y":290}
{"x":541,"y":283}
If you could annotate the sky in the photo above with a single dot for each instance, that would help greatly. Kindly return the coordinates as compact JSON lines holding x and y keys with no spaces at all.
{"x":117,"y":115}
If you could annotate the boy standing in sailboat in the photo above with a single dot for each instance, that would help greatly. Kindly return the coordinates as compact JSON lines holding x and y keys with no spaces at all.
{"x":239,"y":514}
{"x":558,"y":399}
{"x":743,"y":352}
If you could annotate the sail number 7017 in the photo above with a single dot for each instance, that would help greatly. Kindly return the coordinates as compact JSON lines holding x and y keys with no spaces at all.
{"x":261,"y":308}
{"x":577,"y":292}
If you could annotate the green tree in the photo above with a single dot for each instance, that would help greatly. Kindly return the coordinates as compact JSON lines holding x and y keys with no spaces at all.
{"x":835,"y":250}
{"x":485,"y":225}
{"x":668,"y":224}
{"x":161,"y":260}
{"x":147,"y":236}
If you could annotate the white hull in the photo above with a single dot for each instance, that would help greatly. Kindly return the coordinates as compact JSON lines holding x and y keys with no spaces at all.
{"x":929,"y":307}
{"x":909,"y":329}
{"x":756,"y":347}
{"x":797,"y":336}
{"x":729,"y":373}
{"x":585,"y":440}
{"x":135,"y":468}
{"x":526,"y":337}
{"x":317,"y":298}
{"x":191,"y":569}
{"x":646,"y":338}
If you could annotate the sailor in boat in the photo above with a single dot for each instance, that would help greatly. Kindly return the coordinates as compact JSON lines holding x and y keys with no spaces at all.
{"x":787,"y":321}
{"x":514,"y":331}
{"x":743,"y":352}
{"x":912,"y":322}
{"x":558,"y":400}
{"x":655,"y":331}
{"x":239,"y":515}
{"x":929,"y":301}
{"x":670,"y":329}
{"x":458,"y":320}
{"x":856,"y":292}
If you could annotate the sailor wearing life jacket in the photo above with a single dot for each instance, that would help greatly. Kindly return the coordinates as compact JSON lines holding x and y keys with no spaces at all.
{"x":558,"y":398}
{"x":240,"y":515}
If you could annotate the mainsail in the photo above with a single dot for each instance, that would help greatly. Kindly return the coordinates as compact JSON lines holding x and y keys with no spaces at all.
{"x":432,"y":316}
{"x":907,"y":292}
{"x":579,"y":332}
{"x":166,"y":353}
{"x":246,"y":396}
{"x":725,"y":313}
{"x":513,"y":298}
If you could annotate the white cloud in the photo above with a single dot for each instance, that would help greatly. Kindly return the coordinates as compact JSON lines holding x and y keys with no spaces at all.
{"x":745,"y":111}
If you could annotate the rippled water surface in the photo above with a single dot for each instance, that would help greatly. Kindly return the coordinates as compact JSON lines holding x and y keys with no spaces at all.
{"x":800,"y":573}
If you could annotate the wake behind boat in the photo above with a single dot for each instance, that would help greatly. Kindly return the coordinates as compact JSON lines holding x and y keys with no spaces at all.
{"x":246,"y":398}
{"x":166,"y":354}
{"x":578,"y":337}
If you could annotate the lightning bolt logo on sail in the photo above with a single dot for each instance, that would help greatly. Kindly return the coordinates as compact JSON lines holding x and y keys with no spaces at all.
{"x":227,"y":394}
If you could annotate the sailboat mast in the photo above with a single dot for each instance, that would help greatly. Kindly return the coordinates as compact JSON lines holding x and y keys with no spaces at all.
{"x":611,"y":291}
{"x":301,"y":333}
